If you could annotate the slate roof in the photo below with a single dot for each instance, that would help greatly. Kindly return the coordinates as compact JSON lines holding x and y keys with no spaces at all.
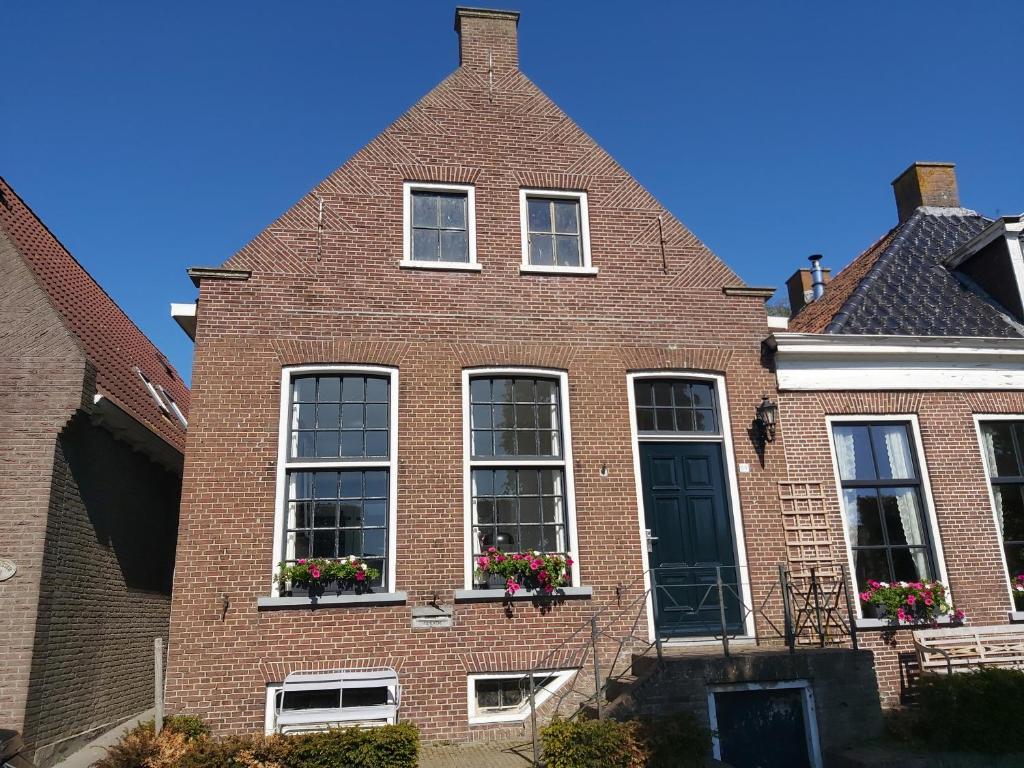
{"x":900,"y":286}
{"x":112,"y":342}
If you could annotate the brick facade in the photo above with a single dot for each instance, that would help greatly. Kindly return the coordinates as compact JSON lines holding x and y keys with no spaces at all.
{"x":336,"y":294}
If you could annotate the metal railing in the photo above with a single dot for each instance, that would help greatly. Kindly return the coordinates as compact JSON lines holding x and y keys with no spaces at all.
{"x":712,"y":605}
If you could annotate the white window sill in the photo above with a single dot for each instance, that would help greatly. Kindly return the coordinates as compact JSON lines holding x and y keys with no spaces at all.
{"x":509,"y":717}
{"x":1016,"y":617}
{"x":884,"y":624}
{"x":538,"y":269}
{"x":452,"y":266}
{"x":498,"y":595}
{"x":332,"y":601}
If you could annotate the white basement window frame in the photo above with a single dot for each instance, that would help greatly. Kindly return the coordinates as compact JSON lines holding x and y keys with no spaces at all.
{"x":365,"y":698}
{"x":286,"y":464}
{"x":408,"y":257}
{"x":546,"y":685}
{"x":564,"y":462}
{"x":585,"y":266}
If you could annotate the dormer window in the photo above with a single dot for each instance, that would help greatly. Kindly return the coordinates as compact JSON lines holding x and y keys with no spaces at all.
{"x":555,"y":231}
{"x":994,"y":261}
{"x":439,"y":226}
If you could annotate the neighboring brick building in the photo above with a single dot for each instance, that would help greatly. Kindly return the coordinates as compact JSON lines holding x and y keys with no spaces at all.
{"x":89,"y":490}
{"x":904,"y":383}
{"x":472,"y":320}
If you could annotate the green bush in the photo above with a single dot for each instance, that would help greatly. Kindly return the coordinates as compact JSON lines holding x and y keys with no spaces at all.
{"x":591,"y":744}
{"x":977,"y":711}
{"x":675,"y":741}
{"x":185,"y":743}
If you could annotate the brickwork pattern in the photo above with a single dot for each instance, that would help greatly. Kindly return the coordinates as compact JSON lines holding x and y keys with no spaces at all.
{"x":341,"y":298}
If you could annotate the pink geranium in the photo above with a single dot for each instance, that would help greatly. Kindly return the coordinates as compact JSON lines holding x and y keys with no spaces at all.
{"x":314,"y":572}
{"x":360,"y":576}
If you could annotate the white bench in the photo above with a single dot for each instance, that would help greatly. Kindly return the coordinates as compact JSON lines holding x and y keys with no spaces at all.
{"x":959,"y":649}
{"x":295,"y":720}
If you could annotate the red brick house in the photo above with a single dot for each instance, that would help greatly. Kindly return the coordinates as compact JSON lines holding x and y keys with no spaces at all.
{"x":479,"y":331}
{"x":904,"y":381}
{"x":93,"y":431}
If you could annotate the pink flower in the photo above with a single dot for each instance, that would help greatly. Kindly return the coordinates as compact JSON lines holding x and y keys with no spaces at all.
{"x":492,"y":549}
{"x":314,"y":572}
{"x":517,"y":556}
{"x":865,"y":596}
{"x":302,"y":562}
{"x":958,"y":614}
{"x":483,"y":562}
{"x":535,"y":565}
{"x":499,"y":559}
{"x":568,"y":562}
{"x":928,"y":601}
{"x":911,"y":599}
{"x":360,"y":576}
{"x":901,"y":615}
{"x":511,"y":586}
{"x":542,"y":576}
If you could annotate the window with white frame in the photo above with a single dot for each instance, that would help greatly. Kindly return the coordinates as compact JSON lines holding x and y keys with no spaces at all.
{"x":440,"y":224}
{"x":555,"y":230}
{"x":1004,"y":458}
{"x":506,"y":697}
{"x":882,"y":500}
{"x":517,"y":463}
{"x":338,"y":466}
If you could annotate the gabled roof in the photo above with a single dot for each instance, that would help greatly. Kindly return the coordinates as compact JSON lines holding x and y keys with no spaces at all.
{"x":112,"y":342}
{"x":901,"y":286}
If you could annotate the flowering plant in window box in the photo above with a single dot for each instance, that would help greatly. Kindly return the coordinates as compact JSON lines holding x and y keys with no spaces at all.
{"x":1017,"y":587}
{"x":524,"y":570}
{"x":316,"y":574}
{"x":909,"y":602}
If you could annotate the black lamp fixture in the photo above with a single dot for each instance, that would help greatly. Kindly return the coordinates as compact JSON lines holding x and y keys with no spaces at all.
{"x":767,"y":417}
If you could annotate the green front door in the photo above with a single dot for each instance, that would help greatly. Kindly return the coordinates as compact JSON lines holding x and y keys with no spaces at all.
{"x":691,"y":538}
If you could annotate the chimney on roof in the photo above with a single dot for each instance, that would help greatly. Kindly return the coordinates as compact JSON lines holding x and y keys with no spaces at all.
{"x":930,"y":184}
{"x":487,"y":39}
{"x":807,"y":285}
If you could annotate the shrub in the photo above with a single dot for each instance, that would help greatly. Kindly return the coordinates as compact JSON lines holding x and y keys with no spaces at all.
{"x":675,"y":741}
{"x":185,"y":743}
{"x":591,"y":744}
{"x":972,"y":711}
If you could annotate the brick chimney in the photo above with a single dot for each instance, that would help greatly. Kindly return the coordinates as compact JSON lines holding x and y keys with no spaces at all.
{"x":487,"y":39}
{"x":931,"y":184}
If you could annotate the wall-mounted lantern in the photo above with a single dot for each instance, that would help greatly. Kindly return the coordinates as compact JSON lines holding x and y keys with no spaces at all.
{"x":767,"y":418}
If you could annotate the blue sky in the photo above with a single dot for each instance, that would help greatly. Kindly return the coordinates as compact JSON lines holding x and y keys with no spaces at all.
{"x":152,"y":137}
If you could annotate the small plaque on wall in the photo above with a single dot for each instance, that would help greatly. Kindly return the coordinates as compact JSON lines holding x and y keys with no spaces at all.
{"x":7,"y":569}
{"x":432,"y":617}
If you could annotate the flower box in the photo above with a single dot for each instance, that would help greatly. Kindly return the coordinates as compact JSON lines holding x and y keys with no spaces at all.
{"x":513,"y":571}
{"x":1017,"y":588}
{"x":902,"y":602}
{"x":315,"y":577}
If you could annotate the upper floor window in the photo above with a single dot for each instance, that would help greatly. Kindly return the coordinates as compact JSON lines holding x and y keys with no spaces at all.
{"x":676,"y":406}
{"x":439,"y":221}
{"x":555,"y":231}
{"x":338,"y":466}
{"x":1004,"y":459}
{"x":883,"y":506}
{"x":517,"y":464}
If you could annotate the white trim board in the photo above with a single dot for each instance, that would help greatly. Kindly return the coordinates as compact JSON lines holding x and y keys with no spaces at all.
{"x":926,"y":496}
{"x":848,"y":362}
{"x":731,"y":478}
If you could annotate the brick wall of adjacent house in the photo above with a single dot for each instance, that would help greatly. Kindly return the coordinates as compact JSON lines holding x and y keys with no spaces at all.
{"x":90,"y":525}
{"x":340,"y":297}
{"x":959,"y":491}
{"x":42,"y":376}
{"x":107,"y":591}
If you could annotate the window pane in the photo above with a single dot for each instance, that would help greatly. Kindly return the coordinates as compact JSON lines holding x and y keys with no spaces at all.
{"x":1014,"y":557}
{"x":483,"y":443}
{"x":352,"y":484}
{"x":304,"y":416}
{"x":424,"y":209}
{"x":373,"y":542}
{"x":376,"y":416}
{"x":503,"y":416}
{"x":351,"y":444}
{"x":684,"y":420}
{"x":425,"y":245}
{"x":328,"y":415}
{"x":644,"y":393}
{"x":377,"y":389}
{"x":663,"y":393}
{"x":454,"y":246}
{"x":353,"y":389}
{"x":902,"y":512}
{"x":374,"y":513}
{"x":1010,"y":510}
{"x":853,"y":453}
{"x":328,"y":389}
{"x":524,"y":390}
{"x":645,"y":419}
{"x":1001,"y":456}
{"x":567,"y":250}
{"x":488,"y":694}
{"x":539,"y":211}
{"x":325,"y":543}
{"x":325,"y":514}
{"x":663,"y":419}
{"x":292,"y":700}
{"x":704,"y":421}
{"x":480,"y":390}
{"x":567,"y":216}
{"x":892,"y":451}
{"x":481,"y":417}
{"x":376,"y":444}
{"x":352,"y":416}
{"x":871,"y":564}
{"x":351,"y":514}
{"x":863,"y":517}
{"x":453,"y":211}
{"x":702,"y":394}
{"x":910,"y":565}
{"x":304,"y":389}
{"x":542,"y":250}
{"x":364,"y":697}
{"x":526,"y":416}
{"x":376,"y":483}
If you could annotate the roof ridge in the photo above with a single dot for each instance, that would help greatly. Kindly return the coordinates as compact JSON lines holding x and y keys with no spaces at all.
{"x":70,"y":255}
{"x":858,"y":295}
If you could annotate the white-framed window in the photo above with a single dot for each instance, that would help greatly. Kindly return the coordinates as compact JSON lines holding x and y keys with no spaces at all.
{"x":505,"y":697}
{"x":518,"y":481}
{"x":316,"y":701}
{"x":885,"y":498}
{"x":153,"y":393}
{"x":337,"y":466}
{"x":439,"y":226}
{"x":173,"y":406}
{"x":555,"y":229}
{"x":1002,"y":443}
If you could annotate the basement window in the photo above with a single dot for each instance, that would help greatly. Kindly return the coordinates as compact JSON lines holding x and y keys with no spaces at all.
{"x":439,"y":223}
{"x":506,"y":697}
{"x":555,"y":231}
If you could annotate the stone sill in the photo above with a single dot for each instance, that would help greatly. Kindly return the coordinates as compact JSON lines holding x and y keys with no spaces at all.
{"x":451,"y":266}
{"x":872,"y":625}
{"x":538,"y":269}
{"x":498,"y":595}
{"x":1016,"y":617}
{"x":332,"y":601}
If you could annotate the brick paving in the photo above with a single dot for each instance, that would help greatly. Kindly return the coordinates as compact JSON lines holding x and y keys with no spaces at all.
{"x":517,"y":754}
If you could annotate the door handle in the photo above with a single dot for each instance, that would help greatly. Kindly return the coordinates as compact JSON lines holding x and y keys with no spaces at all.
{"x":650,"y":540}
